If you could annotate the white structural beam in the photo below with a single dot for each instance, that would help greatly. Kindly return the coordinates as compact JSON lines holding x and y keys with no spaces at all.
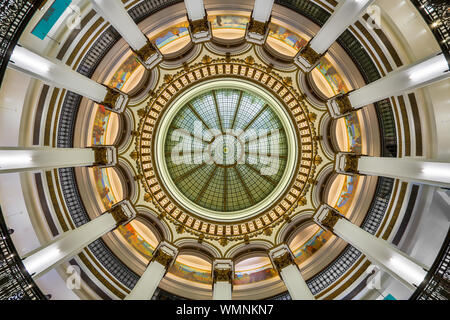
{"x":115,"y":13}
{"x":283,"y":260}
{"x":407,"y":169}
{"x":380,"y":252}
{"x":163,"y":257}
{"x":258,"y":26}
{"x":199,"y":26}
{"x":419,"y":74}
{"x":74,"y":241}
{"x":56,"y":73}
{"x":20,"y":159}
{"x":222,"y":273}
{"x":346,"y":13}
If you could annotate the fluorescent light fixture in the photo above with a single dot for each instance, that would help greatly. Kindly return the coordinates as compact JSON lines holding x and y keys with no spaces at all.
{"x":15,"y":160}
{"x":436,"y":172}
{"x":42,"y":260}
{"x":433,"y":67}
{"x":29,"y":61}
{"x":408,"y":269}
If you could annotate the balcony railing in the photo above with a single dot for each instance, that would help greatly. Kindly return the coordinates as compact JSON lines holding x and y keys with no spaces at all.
{"x":436,"y":285}
{"x":436,"y":13}
{"x":14,"y":16}
{"x":15,"y":281}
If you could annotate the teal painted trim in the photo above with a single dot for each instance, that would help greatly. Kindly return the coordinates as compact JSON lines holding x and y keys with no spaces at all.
{"x":50,"y":17}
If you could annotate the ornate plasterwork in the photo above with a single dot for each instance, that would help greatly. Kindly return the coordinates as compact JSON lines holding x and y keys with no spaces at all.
{"x":163,"y":258}
{"x":200,"y":25}
{"x":256,"y":26}
{"x":146,"y":51}
{"x":283,"y":261}
{"x":111,"y":97}
{"x":222,"y":275}
{"x":310,"y":55}
{"x":119,"y":215}
{"x":344,"y":103}
{"x":247,"y":66}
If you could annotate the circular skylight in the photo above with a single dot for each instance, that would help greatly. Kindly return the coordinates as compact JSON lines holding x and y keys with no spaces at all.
{"x":226,"y":149}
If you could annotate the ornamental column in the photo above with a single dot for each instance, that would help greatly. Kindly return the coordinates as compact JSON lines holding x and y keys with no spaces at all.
{"x":61,"y":75}
{"x":163,"y":257}
{"x":380,"y":252}
{"x":222,"y":273}
{"x":344,"y":15}
{"x":283,"y":260}
{"x":419,"y":74}
{"x":115,"y":13}
{"x":20,"y":159}
{"x":409,"y":169}
{"x":258,"y":26}
{"x":74,"y":241}
{"x":199,"y":26}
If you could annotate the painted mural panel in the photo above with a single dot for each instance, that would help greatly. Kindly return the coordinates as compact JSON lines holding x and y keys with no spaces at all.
{"x":353,"y":132}
{"x":311,"y":246}
{"x":124,"y":72}
{"x":254,"y":275}
{"x":171,"y":34}
{"x":288,"y":37}
{"x":228,"y":22}
{"x":333,"y":78}
{"x":192,"y":274}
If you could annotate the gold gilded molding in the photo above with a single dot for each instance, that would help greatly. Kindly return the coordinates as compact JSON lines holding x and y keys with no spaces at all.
{"x":162,"y":258}
{"x":331,"y":219}
{"x":255,"y":26}
{"x":351,"y":163}
{"x":222,"y":275}
{"x":283,"y":261}
{"x":310,"y":55}
{"x":100,"y":156}
{"x":111,"y":97}
{"x":118,"y":214}
{"x":200,"y":25}
{"x":146,"y":51}
{"x":343,"y":103}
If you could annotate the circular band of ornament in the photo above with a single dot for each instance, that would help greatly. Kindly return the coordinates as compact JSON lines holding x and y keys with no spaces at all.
{"x":266,"y":78}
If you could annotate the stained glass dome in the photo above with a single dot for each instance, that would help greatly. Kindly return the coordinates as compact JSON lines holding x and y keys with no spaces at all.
{"x":226,"y":149}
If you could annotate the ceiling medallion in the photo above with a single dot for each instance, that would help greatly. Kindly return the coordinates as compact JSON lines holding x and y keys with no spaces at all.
{"x":295,"y":193}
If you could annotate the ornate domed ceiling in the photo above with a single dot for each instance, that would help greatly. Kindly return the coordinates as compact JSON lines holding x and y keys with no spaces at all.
{"x":225,"y":150}
{"x":207,"y":166}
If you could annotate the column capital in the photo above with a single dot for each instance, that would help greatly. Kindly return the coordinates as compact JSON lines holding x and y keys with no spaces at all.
{"x":347,"y":163}
{"x":222,"y":271}
{"x":307,"y":58}
{"x":281,"y":257}
{"x":115,"y":100}
{"x":165,"y":254}
{"x":257,"y":31}
{"x":200,"y":29}
{"x":105,"y":156}
{"x":339,"y":105}
{"x":327,"y":217}
{"x":123,"y":212}
{"x":148,"y":55}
